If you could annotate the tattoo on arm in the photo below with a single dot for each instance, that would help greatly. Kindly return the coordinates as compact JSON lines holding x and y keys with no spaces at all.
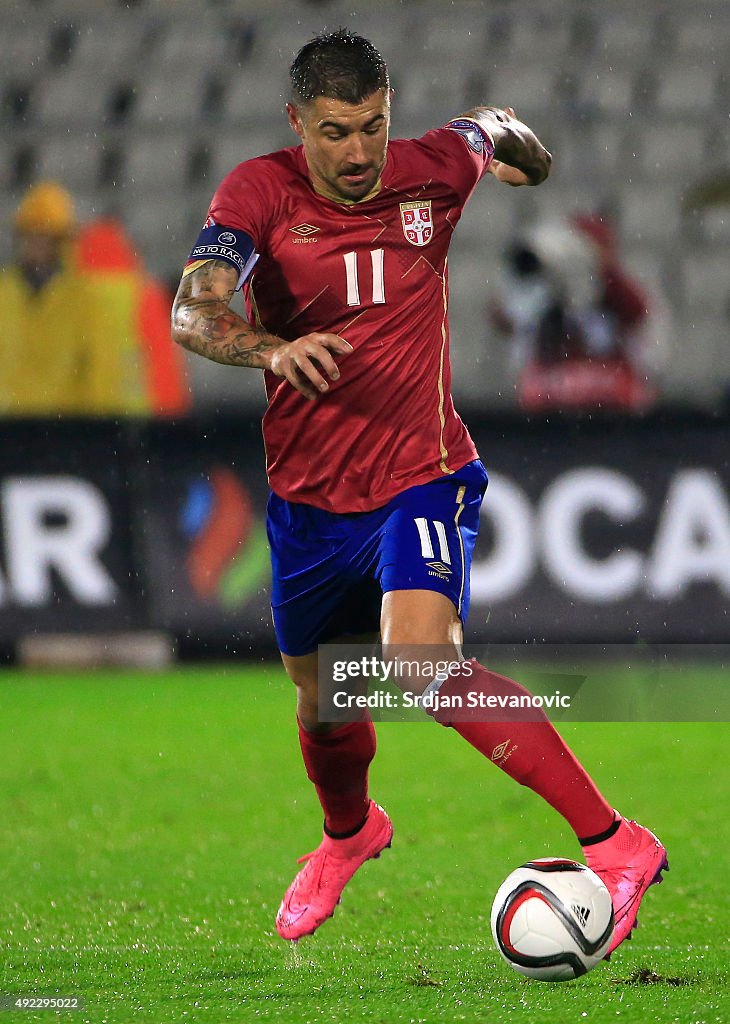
{"x":203,"y":322}
{"x":514,"y":143}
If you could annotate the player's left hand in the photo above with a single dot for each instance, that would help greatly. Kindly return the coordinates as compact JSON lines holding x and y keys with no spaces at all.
{"x":512,"y":137}
{"x":505,"y":173}
{"x":508,"y":175}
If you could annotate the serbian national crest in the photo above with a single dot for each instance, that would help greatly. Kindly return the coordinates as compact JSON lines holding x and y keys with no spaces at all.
{"x":417,"y":222}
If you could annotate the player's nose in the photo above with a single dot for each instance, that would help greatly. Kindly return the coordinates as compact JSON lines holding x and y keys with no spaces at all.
{"x":356,"y":153}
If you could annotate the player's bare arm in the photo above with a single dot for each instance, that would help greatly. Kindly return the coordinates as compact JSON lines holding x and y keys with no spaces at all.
{"x":519,"y":156}
{"x":203,"y":322}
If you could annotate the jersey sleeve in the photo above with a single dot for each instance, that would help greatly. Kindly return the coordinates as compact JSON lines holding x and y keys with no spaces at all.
{"x":240,"y":202}
{"x":235,"y":228}
{"x":460,"y":152}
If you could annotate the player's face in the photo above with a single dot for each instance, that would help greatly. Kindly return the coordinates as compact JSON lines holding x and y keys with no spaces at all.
{"x":344,"y":143}
{"x":37,"y":251}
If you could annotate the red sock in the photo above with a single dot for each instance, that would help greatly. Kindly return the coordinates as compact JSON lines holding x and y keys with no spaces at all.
{"x":337,"y":763}
{"x":526,"y":746}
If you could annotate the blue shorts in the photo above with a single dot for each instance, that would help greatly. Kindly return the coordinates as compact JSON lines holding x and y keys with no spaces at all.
{"x":330,"y":571}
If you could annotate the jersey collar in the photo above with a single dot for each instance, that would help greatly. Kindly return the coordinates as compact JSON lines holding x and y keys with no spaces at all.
{"x":326,"y":194}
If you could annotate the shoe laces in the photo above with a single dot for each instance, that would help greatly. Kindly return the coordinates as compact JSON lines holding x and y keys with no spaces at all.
{"x":612,"y":875}
{"x":314,"y":866}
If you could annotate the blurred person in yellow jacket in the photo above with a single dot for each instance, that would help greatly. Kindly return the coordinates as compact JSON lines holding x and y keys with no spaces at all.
{"x":75,"y":330}
{"x":56,"y":352}
{"x":138,"y":306}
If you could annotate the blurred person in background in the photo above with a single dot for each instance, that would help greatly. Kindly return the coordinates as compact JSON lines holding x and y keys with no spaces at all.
{"x":583,"y":333}
{"x":135,"y":305}
{"x":79,"y":317}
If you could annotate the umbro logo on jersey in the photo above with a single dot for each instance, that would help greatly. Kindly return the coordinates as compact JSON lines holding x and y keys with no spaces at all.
{"x":304,"y":230}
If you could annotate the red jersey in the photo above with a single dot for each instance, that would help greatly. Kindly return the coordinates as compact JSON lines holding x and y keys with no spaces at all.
{"x":375,"y":273}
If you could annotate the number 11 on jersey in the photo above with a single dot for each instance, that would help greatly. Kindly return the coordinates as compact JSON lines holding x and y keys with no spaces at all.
{"x":353,"y":286}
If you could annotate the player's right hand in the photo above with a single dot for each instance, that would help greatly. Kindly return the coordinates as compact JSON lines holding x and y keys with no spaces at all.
{"x":300,"y":362}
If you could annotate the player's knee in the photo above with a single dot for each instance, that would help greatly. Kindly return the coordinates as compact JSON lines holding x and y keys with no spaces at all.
{"x":307,"y":696}
{"x":419,"y":618}
{"x":308,"y":713}
{"x":309,"y":718}
{"x":307,"y":704}
{"x":303,"y":673}
{"x":307,"y":690}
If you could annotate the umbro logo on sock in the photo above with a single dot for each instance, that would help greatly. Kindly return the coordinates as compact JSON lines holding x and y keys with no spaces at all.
{"x":501,"y":754}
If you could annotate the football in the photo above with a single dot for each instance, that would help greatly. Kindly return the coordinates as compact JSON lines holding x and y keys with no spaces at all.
{"x":552,"y":919}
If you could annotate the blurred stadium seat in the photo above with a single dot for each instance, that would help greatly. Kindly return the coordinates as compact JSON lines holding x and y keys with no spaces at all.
{"x":649,"y":214}
{"x":25,"y":49}
{"x":704,"y":35}
{"x":167,"y":100}
{"x":691,"y":88}
{"x":110,"y":45}
{"x":257,"y":95}
{"x":157,"y":161}
{"x":463,"y":38}
{"x":540,"y":36}
{"x":528,"y":90}
{"x":606,"y":91}
{"x":627,"y":36}
{"x":231,"y":150}
{"x":64,"y":100}
{"x":75,"y":158}
{"x":439,"y":88}
{"x":663,"y":148}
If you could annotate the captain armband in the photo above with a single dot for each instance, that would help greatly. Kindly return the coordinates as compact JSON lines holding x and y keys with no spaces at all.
{"x":232,"y":245}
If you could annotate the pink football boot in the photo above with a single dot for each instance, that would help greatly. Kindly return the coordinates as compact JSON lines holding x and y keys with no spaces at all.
{"x":315,"y":892}
{"x":628,"y":863}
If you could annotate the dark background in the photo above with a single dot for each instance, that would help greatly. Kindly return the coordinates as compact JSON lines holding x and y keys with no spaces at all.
{"x":146,"y":475}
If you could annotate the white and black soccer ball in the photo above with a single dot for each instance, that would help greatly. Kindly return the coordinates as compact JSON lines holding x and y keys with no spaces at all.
{"x":552,"y":919}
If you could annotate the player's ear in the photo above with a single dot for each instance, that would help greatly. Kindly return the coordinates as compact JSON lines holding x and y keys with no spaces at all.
{"x":295,"y":120}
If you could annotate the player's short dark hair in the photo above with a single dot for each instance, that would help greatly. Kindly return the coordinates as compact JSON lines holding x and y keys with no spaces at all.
{"x":340,"y":65}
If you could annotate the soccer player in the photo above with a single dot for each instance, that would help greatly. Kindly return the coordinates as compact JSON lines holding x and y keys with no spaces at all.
{"x":340,"y":245}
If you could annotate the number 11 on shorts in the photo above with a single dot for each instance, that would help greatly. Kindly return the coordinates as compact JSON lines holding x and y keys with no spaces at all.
{"x":427,"y":549}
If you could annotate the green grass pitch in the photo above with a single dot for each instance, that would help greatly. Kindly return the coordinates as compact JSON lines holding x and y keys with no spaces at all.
{"x":149,"y":825}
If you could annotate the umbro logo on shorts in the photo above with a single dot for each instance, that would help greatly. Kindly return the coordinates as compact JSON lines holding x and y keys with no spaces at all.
{"x":439,"y":567}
